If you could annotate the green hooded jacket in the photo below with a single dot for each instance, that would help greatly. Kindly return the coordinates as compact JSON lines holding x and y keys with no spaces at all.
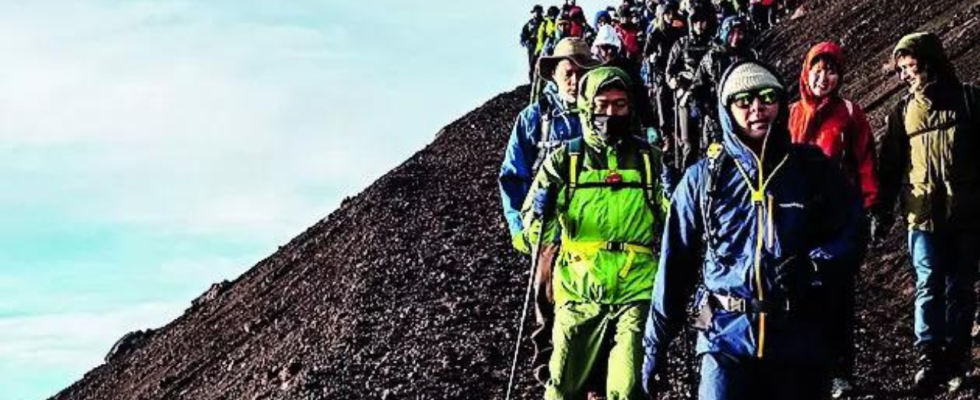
{"x":930,"y":155}
{"x":609,"y":222}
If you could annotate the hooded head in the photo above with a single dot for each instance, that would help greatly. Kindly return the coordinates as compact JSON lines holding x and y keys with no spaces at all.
{"x":553,"y":12}
{"x":662,"y":10}
{"x":599,"y":130}
{"x":602,"y":16}
{"x":606,"y":37}
{"x":701,"y":14}
{"x":728,"y":27}
{"x":829,"y":53}
{"x":927,"y":49}
{"x":753,"y":77}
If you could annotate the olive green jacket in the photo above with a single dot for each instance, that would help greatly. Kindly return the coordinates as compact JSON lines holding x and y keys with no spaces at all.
{"x":930,"y":157}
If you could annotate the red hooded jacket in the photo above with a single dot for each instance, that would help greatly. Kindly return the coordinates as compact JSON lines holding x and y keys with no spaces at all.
{"x":840,"y":128}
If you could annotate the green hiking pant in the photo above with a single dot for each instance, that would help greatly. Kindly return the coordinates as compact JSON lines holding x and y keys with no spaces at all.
{"x":590,"y":336}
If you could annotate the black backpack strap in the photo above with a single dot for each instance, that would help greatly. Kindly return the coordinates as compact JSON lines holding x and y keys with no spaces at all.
{"x":715,"y":160}
{"x":969,"y":102}
{"x":649,"y":179}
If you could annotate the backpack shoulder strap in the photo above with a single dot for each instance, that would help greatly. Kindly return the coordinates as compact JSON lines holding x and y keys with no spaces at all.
{"x":850,"y":107}
{"x":715,"y":160}
{"x":574,"y":166}
{"x":969,"y":100}
{"x":649,"y":180}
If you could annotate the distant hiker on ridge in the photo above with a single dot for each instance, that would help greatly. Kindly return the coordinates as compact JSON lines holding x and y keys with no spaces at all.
{"x":529,"y":39}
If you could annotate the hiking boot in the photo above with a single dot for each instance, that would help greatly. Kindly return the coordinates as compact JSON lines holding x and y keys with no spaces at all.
{"x":956,"y":383}
{"x":840,"y":387}
{"x":927,"y":380}
{"x":930,"y":374}
{"x":956,"y":373}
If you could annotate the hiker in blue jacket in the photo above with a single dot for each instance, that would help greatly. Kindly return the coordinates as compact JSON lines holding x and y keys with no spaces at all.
{"x":543,"y":125}
{"x":549,"y":121}
{"x":764,"y":220}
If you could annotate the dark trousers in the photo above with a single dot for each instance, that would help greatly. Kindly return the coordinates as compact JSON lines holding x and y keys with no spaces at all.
{"x":727,"y":378}
{"x":663,"y":104}
{"x":841,"y":316}
{"x":686,"y":137}
{"x":763,"y":17}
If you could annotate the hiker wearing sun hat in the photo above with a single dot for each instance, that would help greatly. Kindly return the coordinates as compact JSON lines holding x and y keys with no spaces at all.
{"x":550,"y":120}
{"x":764,"y":220}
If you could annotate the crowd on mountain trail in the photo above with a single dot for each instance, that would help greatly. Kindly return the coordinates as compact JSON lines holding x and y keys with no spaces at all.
{"x":661,"y":170}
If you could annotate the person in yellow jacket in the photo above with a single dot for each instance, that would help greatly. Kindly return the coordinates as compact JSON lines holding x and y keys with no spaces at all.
{"x":546,"y":30}
{"x":601,"y":192}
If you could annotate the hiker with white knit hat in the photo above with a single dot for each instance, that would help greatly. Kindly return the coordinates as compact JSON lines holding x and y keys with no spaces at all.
{"x":765,"y":220}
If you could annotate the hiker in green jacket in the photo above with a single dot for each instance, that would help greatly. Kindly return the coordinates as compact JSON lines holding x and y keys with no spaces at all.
{"x":931,"y":159}
{"x":602,"y":194}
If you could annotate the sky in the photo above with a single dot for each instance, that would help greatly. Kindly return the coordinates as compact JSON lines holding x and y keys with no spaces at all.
{"x":151,"y":148}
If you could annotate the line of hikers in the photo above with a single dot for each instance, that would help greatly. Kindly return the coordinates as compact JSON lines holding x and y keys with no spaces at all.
{"x":751,"y":212}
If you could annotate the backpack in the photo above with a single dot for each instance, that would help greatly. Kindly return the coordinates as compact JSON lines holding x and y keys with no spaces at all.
{"x":969,"y":109}
{"x":648,"y":184}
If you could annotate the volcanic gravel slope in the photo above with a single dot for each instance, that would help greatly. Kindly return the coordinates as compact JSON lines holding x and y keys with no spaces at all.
{"x":411,"y":290}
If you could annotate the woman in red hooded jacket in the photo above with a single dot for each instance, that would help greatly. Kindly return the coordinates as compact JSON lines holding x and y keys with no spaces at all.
{"x":840,"y":128}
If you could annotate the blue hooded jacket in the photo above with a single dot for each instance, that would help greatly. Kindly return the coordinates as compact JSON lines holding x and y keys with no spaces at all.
{"x":806,"y":212}
{"x":516,"y":172}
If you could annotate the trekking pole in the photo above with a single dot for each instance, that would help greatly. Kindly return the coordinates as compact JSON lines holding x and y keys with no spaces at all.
{"x":527,"y":300}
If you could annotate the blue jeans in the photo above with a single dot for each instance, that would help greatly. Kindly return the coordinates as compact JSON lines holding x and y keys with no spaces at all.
{"x":945,"y":270}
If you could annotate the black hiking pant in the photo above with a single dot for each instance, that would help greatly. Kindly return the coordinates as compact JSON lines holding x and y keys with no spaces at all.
{"x":686,"y":137}
{"x":663,"y":104}
{"x":841,"y":316}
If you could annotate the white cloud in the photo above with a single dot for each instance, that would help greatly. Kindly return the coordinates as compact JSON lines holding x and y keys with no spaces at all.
{"x":185,"y":124}
{"x":76,"y":340}
{"x":171,"y":121}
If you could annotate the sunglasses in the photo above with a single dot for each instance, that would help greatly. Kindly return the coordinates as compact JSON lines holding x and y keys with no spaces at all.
{"x":766,"y":96}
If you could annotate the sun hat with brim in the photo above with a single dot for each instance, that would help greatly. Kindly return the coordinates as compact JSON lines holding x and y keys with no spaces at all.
{"x":575,"y":50}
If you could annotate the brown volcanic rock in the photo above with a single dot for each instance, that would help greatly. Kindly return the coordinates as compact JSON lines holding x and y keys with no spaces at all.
{"x":411,"y":290}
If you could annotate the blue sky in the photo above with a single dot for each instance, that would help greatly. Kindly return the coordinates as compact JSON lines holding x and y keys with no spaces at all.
{"x":151,"y":148}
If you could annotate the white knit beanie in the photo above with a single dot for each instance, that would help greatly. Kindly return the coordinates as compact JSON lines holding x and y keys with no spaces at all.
{"x":748,"y":77}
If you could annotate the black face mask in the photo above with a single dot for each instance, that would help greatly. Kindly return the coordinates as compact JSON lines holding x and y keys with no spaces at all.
{"x":611,"y":127}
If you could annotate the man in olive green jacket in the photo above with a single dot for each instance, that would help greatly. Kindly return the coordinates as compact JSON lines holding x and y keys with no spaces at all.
{"x":602,"y":191}
{"x":931,"y":160}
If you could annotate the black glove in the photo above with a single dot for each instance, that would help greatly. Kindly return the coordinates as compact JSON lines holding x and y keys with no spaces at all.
{"x":798,"y":277}
{"x":879,"y":223}
{"x":655,"y":386}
